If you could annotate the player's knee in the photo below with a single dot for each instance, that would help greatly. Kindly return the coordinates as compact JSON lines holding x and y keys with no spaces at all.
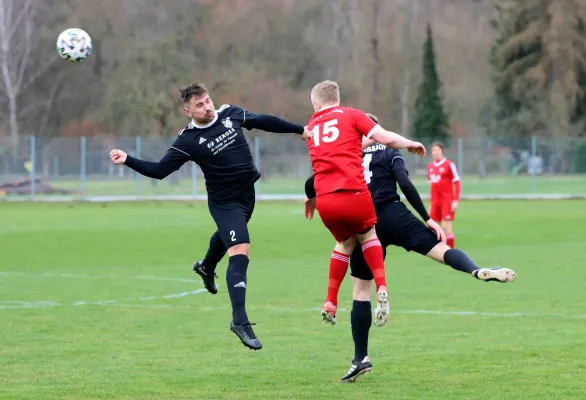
{"x":242,"y":248}
{"x":438,"y":251}
{"x":346,"y":246}
{"x":366,"y":236}
{"x":361,"y":289}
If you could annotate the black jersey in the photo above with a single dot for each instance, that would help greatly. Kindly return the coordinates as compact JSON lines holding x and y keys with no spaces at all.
{"x":380,"y":164}
{"x":220,"y":149}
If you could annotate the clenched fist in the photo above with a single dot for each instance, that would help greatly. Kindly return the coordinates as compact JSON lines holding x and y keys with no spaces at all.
{"x":118,"y":157}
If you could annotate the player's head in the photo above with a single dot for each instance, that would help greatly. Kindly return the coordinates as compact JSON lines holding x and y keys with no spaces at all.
{"x":373,"y":117}
{"x":437,"y":151}
{"x":324,"y":94}
{"x":197,"y":103}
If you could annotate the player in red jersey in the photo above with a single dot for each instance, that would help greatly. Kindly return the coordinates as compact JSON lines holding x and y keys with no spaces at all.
{"x":445,"y":190}
{"x":342,"y":196}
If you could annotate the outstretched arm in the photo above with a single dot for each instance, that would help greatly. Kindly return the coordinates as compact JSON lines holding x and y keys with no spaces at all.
{"x":171,"y":162}
{"x":395,"y":141}
{"x":373,"y":132}
{"x":270,"y":123}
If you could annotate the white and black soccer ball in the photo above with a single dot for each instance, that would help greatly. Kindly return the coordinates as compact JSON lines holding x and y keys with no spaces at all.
{"x":74,"y":45}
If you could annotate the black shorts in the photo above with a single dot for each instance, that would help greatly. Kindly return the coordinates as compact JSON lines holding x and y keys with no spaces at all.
{"x":232,"y":217}
{"x":396,"y":226}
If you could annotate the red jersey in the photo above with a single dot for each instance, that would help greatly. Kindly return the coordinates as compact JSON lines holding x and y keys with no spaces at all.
{"x":442,"y":176}
{"x":336,"y":148}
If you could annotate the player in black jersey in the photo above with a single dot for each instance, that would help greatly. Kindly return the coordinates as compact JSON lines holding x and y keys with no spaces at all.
{"x":384,"y":170}
{"x":214,"y":140}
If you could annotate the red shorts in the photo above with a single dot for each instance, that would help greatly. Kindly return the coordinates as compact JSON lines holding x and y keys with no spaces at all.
{"x":346,"y":212}
{"x":441,"y":210}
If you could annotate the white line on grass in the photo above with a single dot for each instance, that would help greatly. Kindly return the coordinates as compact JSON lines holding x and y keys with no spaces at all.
{"x":87,"y":276}
{"x":127,"y":304}
{"x":12,"y":304}
{"x":428,"y":312}
{"x":15,"y":304}
{"x":432,"y":312}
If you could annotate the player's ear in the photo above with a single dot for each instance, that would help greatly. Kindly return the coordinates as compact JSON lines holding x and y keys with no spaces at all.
{"x":186,"y":111}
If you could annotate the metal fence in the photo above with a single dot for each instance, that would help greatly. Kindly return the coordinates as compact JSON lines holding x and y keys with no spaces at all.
{"x":79,"y":168}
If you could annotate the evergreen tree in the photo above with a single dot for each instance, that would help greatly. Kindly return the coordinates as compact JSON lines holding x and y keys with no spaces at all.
{"x":430,"y":121}
{"x":539,"y":61}
{"x":508,"y":114}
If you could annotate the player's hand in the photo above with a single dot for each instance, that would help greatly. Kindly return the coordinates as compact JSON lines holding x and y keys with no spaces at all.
{"x":118,"y":157}
{"x":434,"y":226}
{"x":309,"y":208}
{"x":455,"y":205}
{"x":417,"y":148}
{"x":306,"y":135}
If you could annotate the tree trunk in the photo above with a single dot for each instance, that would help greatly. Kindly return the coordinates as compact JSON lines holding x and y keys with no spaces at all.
{"x":406,"y":90}
{"x":13,"y":121}
{"x":375,"y":57}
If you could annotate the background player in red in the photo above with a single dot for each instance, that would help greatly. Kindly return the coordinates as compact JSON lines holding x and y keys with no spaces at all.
{"x":445,"y":190}
{"x":343,"y":199}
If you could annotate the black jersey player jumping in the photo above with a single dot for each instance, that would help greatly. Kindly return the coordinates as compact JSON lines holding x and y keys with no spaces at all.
{"x":214,"y":140}
{"x":384,"y":170}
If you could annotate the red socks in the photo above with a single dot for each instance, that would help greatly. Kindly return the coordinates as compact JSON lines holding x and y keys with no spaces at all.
{"x":373,"y":255}
{"x":450,"y":239}
{"x":338,"y":268}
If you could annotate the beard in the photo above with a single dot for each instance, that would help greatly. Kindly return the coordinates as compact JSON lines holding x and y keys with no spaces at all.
{"x":208,"y":117}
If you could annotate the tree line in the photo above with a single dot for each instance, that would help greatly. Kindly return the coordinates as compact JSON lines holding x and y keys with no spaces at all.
{"x":433,"y":68}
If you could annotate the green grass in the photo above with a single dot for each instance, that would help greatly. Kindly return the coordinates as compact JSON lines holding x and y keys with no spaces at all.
{"x":181,"y":348}
{"x":471,"y":184}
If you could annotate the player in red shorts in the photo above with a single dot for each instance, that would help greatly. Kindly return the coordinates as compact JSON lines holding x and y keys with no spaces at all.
{"x":342,"y":196}
{"x":445,"y":190}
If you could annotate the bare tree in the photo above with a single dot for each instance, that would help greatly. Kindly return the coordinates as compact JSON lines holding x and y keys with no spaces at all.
{"x":375,"y":54}
{"x":20,"y":69}
{"x":407,"y":76}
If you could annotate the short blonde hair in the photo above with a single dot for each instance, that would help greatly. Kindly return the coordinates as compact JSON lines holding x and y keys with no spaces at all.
{"x":326,"y":92}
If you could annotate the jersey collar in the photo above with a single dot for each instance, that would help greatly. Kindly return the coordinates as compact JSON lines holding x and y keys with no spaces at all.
{"x":440,"y":162}
{"x":195,"y":125}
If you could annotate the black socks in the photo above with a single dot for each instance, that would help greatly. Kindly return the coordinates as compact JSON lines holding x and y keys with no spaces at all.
{"x":236,"y":280}
{"x":215,"y":253}
{"x":458,"y":260}
{"x":361,"y":320}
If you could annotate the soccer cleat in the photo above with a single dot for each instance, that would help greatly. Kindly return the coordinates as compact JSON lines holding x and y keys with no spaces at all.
{"x":328,"y":313}
{"x":503,"y":275}
{"x":246,"y":335}
{"x":382,"y":310}
{"x":208,"y":279}
{"x":356,"y":369}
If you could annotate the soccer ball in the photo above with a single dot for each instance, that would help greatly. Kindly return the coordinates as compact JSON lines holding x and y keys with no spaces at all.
{"x":74,"y":45}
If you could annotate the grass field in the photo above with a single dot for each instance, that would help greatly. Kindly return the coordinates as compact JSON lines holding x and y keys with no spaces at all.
{"x":471,"y":184}
{"x":99,"y":302}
